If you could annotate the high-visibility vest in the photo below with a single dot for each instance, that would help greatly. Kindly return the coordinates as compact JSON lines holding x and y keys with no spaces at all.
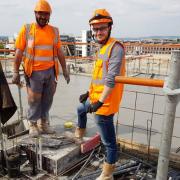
{"x":42,"y":53}
{"x":111,"y":103}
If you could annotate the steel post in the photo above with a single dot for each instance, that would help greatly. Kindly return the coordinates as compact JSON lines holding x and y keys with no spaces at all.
{"x":20,"y":103}
{"x":169,"y":116}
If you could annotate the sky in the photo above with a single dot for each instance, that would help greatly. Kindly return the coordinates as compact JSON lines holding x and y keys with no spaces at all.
{"x":132,"y":18}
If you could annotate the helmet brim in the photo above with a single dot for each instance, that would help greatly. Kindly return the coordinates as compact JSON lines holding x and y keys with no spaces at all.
{"x":99,"y":21}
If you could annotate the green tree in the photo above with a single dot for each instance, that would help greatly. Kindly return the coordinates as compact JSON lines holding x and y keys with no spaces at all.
{"x":1,"y":46}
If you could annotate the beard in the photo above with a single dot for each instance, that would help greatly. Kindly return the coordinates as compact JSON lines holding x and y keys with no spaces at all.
{"x":100,"y":40}
{"x":42,"y":22}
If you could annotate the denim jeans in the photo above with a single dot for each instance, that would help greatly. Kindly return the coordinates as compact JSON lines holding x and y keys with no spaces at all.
{"x":106,"y":129}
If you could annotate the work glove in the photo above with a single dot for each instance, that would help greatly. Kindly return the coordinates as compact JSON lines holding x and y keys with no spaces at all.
{"x":83,"y":97}
{"x":16,"y":78}
{"x":94,"y":107}
{"x":66,"y":76}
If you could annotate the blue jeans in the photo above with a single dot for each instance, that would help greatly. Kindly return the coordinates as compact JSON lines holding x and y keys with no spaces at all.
{"x":106,"y":130}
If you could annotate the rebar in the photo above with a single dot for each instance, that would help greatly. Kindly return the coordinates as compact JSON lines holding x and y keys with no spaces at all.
{"x":84,"y":165}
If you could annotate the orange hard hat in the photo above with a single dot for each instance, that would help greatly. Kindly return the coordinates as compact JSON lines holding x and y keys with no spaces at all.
{"x":101,"y":16}
{"x":43,"y":5}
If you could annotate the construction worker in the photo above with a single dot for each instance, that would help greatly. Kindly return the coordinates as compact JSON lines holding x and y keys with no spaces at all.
{"x":104,"y":95}
{"x":40,"y":47}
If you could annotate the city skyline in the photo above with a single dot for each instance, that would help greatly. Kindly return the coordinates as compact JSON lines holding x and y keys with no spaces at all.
{"x":132,"y":18}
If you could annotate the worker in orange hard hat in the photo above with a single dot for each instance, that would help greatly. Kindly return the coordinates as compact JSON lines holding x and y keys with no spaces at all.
{"x":39,"y":45}
{"x":104,"y":95}
{"x":101,"y":16}
{"x":42,"y":12}
{"x":43,"y":5}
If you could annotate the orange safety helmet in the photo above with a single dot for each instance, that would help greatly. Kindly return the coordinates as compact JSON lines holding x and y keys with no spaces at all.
{"x":43,"y":5}
{"x":101,"y":16}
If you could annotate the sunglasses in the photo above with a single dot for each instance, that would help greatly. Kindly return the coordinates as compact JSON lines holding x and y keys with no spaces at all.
{"x":103,"y":28}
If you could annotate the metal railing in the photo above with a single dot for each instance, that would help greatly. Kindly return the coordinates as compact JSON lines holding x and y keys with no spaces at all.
{"x":172,"y":91}
{"x":135,"y":65}
{"x":142,"y":82}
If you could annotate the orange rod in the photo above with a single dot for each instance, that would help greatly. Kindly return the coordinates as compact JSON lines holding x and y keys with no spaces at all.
{"x":67,"y":57}
{"x":5,"y":59}
{"x":77,"y":43}
{"x":6,"y":50}
{"x":140,"y":81}
{"x":126,"y":44}
{"x":79,"y":57}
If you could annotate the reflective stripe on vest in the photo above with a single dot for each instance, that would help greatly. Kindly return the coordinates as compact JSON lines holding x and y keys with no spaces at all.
{"x":43,"y":47}
{"x":104,"y":57}
{"x":27,"y":26}
{"x":39,"y":58}
{"x":40,"y":47}
{"x":56,"y":35}
{"x":55,"y":42}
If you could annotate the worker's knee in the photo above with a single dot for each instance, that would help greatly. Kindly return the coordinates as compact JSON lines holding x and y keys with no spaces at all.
{"x":33,"y":101}
{"x":81,"y":109}
{"x":33,"y":97}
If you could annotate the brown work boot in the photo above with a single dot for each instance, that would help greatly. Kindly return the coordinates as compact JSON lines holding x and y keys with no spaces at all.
{"x":79,"y":132}
{"x":33,"y":129}
{"x":44,"y":128}
{"x":107,"y":172}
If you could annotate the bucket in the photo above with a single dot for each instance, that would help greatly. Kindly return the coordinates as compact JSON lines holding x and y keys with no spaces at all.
{"x":13,"y":165}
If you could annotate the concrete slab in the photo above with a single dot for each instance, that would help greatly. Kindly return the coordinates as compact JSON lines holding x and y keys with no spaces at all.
{"x":55,"y":153}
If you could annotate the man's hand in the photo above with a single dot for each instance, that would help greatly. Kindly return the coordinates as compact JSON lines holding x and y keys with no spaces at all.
{"x":16,"y":78}
{"x":94,"y":107}
{"x":66,"y":76}
{"x":83,"y":97}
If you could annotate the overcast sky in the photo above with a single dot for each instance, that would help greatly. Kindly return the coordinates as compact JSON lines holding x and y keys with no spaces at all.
{"x":132,"y":18}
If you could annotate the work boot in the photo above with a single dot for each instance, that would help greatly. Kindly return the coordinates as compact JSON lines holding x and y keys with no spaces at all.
{"x":44,"y":128}
{"x":107,"y":172}
{"x":79,"y":132}
{"x":33,"y":129}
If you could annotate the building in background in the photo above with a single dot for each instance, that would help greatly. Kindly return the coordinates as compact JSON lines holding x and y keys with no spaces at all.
{"x":81,"y":50}
{"x":138,"y":48}
{"x":86,"y":38}
{"x":69,"y":49}
{"x":84,"y":49}
{"x":78,"y":47}
{"x":134,"y":46}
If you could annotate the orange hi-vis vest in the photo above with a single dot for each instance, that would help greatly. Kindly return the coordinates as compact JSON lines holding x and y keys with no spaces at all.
{"x":111,"y":103}
{"x":40,"y":52}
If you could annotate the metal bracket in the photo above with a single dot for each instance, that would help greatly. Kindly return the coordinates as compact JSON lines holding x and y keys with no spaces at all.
{"x":169,"y":91}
